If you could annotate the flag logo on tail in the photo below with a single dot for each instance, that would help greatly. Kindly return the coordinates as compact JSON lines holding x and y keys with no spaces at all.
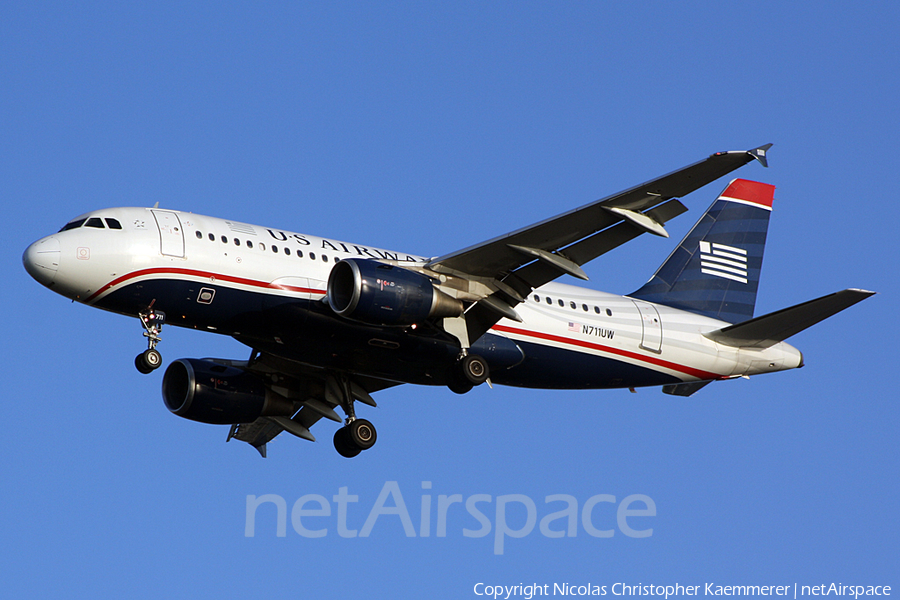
{"x":724,"y":261}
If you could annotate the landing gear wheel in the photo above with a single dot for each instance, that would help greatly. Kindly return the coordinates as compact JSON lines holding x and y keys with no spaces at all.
{"x":474,"y":369}
{"x":362,"y":433}
{"x":141,"y":366}
{"x":148,"y":361}
{"x":152,"y":358}
{"x":457,"y":383}
{"x":344,"y":444}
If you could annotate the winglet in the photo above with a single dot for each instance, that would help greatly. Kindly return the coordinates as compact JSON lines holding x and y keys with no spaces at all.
{"x":757,"y":153}
{"x":760,"y":154}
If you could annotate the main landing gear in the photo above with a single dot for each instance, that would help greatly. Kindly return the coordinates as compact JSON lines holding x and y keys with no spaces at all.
{"x":150,"y":359}
{"x":357,"y":434}
{"x":354,"y":437}
{"x":468,"y":371}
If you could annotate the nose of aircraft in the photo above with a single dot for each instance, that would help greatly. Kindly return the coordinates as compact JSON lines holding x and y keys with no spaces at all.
{"x":41,"y":260}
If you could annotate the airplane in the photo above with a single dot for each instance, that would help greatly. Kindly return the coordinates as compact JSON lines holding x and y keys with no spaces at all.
{"x":329,"y":323}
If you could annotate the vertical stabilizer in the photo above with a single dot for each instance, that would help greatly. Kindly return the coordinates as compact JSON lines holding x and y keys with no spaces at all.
{"x":715,"y":269}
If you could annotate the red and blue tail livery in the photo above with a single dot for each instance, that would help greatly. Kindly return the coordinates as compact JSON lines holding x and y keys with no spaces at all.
{"x":715,"y":269}
{"x":329,"y":323}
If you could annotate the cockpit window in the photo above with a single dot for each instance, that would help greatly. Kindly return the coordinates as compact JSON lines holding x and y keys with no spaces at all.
{"x":73,"y":224}
{"x":95,"y":222}
{"x":113,"y":224}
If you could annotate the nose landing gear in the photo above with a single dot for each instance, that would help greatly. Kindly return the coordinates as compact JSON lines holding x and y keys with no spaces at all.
{"x":150,"y":359}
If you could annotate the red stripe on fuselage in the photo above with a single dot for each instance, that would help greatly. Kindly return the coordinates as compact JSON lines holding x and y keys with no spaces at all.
{"x":700,"y":374}
{"x":213,"y":277}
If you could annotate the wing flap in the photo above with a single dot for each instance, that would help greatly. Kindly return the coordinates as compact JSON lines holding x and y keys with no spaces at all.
{"x":257,"y":434}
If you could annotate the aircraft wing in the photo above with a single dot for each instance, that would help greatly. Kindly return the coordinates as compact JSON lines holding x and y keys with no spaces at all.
{"x":510,"y":266}
{"x":503,"y":254}
{"x":315,"y":395}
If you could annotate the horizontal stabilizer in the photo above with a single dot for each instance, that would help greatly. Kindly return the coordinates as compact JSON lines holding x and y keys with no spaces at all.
{"x":775,"y":327}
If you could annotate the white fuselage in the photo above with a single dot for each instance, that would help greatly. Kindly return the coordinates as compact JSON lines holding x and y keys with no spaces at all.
{"x":106,"y":267}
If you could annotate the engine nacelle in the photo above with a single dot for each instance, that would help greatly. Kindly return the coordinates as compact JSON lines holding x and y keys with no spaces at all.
{"x":378,"y":294}
{"x":208,"y":392}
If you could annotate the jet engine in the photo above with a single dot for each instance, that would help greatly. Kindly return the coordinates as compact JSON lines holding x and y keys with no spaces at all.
{"x":379,"y":294}
{"x":204,"y":391}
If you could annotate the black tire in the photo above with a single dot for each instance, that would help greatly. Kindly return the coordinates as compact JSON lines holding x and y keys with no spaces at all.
{"x":344,"y":445}
{"x":474,"y":369}
{"x":142,"y":366}
{"x":152,"y":358}
{"x":457,"y":383}
{"x":362,"y":434}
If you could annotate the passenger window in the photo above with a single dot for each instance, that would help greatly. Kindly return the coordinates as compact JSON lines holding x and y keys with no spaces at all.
{"x":312,"y":256}
{"x":199,"y":236}
{"x":287,"y":251}
{"x":300,"y":253}
{"x":549,"y":301}
{"x":249,"y":244}
{"x":561,"y":303}
{"x":262,"y":246}
{"x":324,"y":258}
{"x":274,"y":248}
{"x":597,"y":309}
{"x":584,"y":307}
{"x":113,"y":224}
{"x":608,"y":313}
{"x":95,"y":222}
{"x":73,"y":225}
{"x":537,"y":298}
{"x":212,"y":237}
{"x":572,"y":305}
{"x":237,"y":242}
{"x":224,"y":239}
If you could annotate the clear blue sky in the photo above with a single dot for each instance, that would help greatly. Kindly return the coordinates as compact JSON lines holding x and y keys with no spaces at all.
{"x":427,"y":127}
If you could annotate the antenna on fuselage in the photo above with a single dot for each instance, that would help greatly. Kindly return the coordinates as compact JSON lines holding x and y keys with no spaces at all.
{"x":156,"y":205}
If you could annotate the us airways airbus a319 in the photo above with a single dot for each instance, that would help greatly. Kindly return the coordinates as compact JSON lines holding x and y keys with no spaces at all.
{"x":329,"y":323}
